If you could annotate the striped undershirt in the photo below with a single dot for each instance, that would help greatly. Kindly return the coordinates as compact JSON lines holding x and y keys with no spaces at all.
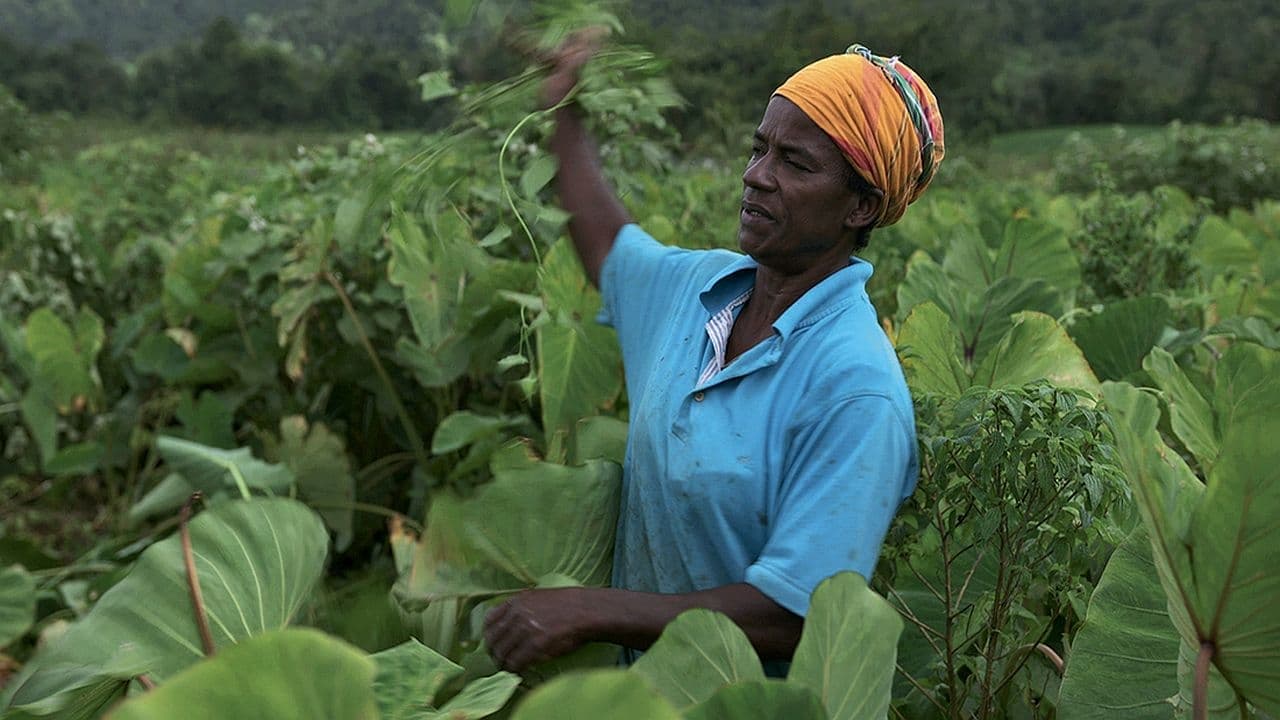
{"x":718,"y":328}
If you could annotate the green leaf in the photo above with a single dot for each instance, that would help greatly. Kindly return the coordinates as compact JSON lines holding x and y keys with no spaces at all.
{"x":698,"y":653}
{"x":578,"y":359}
{"x":1189,"y":413}
{"x":207,"y":420}
{"x":1234,"y":580}
{"x":17,"y":603}
{"x":613,"y":694}
{"x":257,"y":562}
{"x":1038,"y":250}
{"x":1220,"y":249}
{"x":166,"y":497}
{"x":1035,"y":348}
{"x":600,"y":437}
{"x":213,"y":470}
{"x":537,"y":175}
{"x":760,"y":700}
{"x":848,"y":648}
{"x":78,"y":459}
{"x":1117,"y":339}
{"x":283,"y":674}
{"x":318,"y":459}
{"x":158,"y":354}
{"x":436,"y":85}
{"x":62,"y":367}
{"x":464,"y":427}
{"x":534,"y":520}
{"x":479,"y":699}
{"x":1214,"y":548}
{"x":930,"y":350}
{"x":41,"y":418}
{"x":409,"y":677}
{"x":1123,"y":661}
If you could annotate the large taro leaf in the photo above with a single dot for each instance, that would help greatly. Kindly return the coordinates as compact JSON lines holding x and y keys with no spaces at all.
{"x":257,"y":562}
{"x":1214,"y":547}
{"x":579,"y":363}
{"x":613,"y":694}
{"x":1231,"y":548}
{"x":1035,"y":348}
{"x":930,"y":351}
{"x":17,"y":603}
{"x":1125,"y":659}
{"x":1117,"y":339}
{"x":980,"y":290}
{"x":698,"y":653}
{"x":760,"y":700}
{"x":848,"y":648}
{"x":536,"y":523}
{"x":214,"y":471}
{"x":1190,"y":414}
{"x":288,"y":674}
{"x":411,"y":675}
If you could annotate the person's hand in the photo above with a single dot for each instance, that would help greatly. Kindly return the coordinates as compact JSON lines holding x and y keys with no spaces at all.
{"x":566,"y":64}
{"x":536,"y":626}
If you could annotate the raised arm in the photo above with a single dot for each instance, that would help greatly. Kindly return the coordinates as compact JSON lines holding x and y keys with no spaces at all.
{"x":595,"y":213}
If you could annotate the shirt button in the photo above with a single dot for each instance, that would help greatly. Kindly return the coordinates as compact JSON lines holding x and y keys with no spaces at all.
{"x":699,"y":396}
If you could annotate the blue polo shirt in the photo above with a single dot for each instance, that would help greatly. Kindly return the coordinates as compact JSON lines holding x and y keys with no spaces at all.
{"x":781,"y":470}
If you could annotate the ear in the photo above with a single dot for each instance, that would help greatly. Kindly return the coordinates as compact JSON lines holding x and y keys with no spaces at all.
{"x":864,"y":209}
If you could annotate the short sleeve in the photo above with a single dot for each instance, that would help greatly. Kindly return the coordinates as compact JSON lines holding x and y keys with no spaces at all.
{"x":640,"y":281}
{"x":848,"y":469}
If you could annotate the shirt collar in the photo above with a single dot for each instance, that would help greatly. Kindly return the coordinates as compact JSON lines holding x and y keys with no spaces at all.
{"x":835,"y":292}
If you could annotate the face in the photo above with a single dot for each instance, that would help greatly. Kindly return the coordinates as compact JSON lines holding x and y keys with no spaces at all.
{"x":797,"y":207}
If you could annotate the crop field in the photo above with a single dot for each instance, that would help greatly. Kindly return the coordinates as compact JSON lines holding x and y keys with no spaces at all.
{"x":282,"y":414}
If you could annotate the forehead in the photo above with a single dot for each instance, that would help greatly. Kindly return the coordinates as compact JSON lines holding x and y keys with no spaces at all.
{"x":784,"y":124}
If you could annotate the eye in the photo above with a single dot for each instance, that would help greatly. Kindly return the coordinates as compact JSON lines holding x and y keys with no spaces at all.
{"x":797,"y":165}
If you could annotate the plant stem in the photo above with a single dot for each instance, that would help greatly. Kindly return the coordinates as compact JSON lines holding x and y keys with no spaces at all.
{"x":415,"y":440}
{"x":1200,"y":691}
{"x":193,"y":580}
{"x":146,"y":682}
{"x":365,"y":507}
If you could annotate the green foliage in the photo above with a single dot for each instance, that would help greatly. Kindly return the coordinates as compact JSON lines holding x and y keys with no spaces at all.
{"x":1015,"y":489}
{"x":1136,"y":245}
{"x":257,"y":562}
{"x":17,"y":603}
{"x":703,"y":667}
{"x":1232,"y":165}
{"x":289,"y":673}
{"x":411,"y":678}
{"x":1208,"y":536}
{"x":19,"y":138}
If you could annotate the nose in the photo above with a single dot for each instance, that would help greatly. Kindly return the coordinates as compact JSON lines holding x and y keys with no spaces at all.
{"x":758,"y":174}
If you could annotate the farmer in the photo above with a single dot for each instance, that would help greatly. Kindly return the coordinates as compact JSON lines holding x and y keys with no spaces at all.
{"x":771,"y":432}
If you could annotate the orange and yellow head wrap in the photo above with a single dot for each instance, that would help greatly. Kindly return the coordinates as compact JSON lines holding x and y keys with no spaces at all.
{"x":881,"y":115}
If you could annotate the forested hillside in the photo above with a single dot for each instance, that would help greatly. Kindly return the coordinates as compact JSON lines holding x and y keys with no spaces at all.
{"x":998,"y":65}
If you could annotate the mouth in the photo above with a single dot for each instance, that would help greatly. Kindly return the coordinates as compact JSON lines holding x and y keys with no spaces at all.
{"x":753,"y":211}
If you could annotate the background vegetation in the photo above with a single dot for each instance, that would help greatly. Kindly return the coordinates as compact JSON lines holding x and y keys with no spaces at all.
{"x":218,"y":273}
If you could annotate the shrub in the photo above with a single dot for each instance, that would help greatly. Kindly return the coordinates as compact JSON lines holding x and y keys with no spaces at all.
{"x":19,"y":138}
{"x":1231,"y":165}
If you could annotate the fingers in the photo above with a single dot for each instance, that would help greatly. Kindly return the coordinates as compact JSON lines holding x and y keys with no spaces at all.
{"x":567,"y":62}
{"x":516,"y":639}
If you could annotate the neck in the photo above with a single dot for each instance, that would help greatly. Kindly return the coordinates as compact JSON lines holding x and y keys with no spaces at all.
{"x":776,"y":291}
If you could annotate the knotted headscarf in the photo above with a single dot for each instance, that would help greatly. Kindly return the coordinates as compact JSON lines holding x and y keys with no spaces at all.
{"x":881,"y":115}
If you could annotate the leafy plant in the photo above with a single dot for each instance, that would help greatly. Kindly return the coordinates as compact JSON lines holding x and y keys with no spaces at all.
{"x":988,"y":557}
{"x":1209,"y":537}
{"x":842,"y":668}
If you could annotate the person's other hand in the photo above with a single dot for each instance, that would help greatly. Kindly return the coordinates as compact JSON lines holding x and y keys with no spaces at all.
{"x":536,"y":626}
{"x":566,"y":64}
